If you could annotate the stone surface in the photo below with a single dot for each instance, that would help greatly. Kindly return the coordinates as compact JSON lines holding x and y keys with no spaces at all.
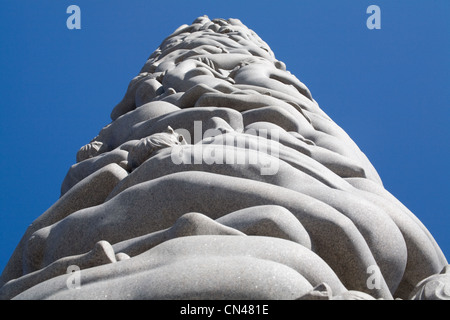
{"x":435,"y":287}
{"x":220,"y":177}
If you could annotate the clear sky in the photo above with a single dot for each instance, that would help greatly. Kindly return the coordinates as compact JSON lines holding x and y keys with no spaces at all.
{"x":387,"y":88}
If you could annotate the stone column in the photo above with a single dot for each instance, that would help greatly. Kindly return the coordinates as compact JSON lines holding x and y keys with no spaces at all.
{"x":219,"y":177}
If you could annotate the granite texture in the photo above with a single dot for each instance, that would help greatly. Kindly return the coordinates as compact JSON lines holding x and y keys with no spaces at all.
{"x":220,"y":177}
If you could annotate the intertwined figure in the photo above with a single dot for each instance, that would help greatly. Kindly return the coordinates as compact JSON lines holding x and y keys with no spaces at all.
{"x":219,"y":177}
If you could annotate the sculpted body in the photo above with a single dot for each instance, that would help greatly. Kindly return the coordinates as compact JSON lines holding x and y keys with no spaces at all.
{"x":220,"y":177}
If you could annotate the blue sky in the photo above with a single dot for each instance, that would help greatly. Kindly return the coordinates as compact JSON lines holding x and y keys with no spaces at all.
{"x":387,"y":88}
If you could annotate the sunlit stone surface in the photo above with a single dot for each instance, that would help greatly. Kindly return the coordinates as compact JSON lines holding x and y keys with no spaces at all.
{"x":220,"y":177}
